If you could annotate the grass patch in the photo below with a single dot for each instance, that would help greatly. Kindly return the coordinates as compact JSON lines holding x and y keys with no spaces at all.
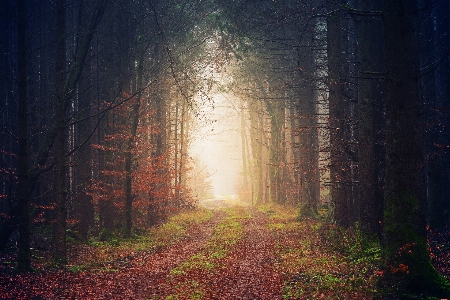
{"x":277,"y":226}
{"x":281,"y":218}
{"x":118,"y":251}
{"x":226,"y":234}
{"x":322,"y":261}
{"x":187,"y":290}
{"x":279,"y":212}
{"x":196,"y":216}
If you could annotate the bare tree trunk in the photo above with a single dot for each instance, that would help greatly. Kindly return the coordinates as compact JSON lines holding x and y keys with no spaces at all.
{"x":438,"y":108}
{"x":60,"y":175}
{"x":404,"y":233}
{"x":282,"y":177}
{"x":265,"y":161}
{"x":243,"y":145}
{"x":182,"y":146}
{"x":339,"y":111}
{"x":158,"y":198}
{"x":24,"y":260}
{"x":134,"y":118}
{"x":256,"y":140}
{"x":307,"y":152}
{"x":370,"y":118}
{"x":83,"y":158}
{"x":176,"y":183}
{"x":295,"y":146}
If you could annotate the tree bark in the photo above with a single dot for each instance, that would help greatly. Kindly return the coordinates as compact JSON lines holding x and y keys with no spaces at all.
{"x":404,"y":234}
{"x":134,"y":118}
{"x":59,"y":253}
{"x":307,"y":159}
{"x":437,"y":105}
{"x":370,"y":118}
{"x":183,"y":139}
{"x":176,"y":184}
{"x":339,"y":106}
{"x":245,"y":168}
{"x":24,"y":259}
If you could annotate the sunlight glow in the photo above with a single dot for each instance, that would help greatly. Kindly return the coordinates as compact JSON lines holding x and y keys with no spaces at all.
{"x":217,"y":145}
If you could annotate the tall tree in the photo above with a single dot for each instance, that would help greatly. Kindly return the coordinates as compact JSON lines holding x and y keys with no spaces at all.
{"x":307,"y":151}
{"x":436,"y":15}
{"x":24,"y":260}
{"x":65,"y":86}
{"x":134,"y":118}
{"x":370,"y":115}
{"x":404,"y":235}
{"x":339,"y":112}
{"x":60,"y":145}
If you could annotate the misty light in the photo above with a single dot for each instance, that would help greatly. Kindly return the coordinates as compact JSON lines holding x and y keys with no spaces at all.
{"x":217,"y":145}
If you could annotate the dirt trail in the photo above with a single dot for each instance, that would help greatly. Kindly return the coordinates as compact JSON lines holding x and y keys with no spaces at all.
{"x":250,"y":272}
{"x":143,"y":278}
{"x":246,"y":272}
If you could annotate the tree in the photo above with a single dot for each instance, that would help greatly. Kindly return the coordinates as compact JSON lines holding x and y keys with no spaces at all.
{"x":370,"y":116}
{"x":60,"y":145}
{"x":339,"y":112}
{"x":307,"y":153}
{"x":24,"y":260}
{"x":65,"y":85}
{"x":405,"y":257}
{"x":436,"y":75}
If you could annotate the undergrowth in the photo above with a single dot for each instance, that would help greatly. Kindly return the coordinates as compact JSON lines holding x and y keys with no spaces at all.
{"x":318,"y":260}
{"x":118,"y":251}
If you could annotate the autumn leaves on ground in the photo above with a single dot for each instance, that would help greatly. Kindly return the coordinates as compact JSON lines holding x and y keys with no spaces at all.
{"x":229,"y":252}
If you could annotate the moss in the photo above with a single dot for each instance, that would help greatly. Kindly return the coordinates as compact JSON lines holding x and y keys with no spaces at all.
{"x":306,"y":210}
{"x":226,"y":234}
{"x":407,"y":267}
{"x":399,"y":218}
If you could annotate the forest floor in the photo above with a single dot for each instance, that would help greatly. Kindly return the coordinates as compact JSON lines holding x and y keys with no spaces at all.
{"x":222,"y":251}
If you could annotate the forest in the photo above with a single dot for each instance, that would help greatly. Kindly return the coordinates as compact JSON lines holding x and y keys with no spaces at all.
{"x":338,"y":112}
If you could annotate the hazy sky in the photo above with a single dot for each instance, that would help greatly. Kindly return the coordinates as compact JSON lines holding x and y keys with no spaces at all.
{"x":218,"y":146}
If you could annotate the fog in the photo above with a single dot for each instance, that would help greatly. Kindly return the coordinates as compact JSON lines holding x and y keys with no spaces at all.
{"x":217,"y":145}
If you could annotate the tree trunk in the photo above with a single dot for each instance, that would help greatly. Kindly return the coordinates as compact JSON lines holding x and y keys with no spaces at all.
{"x":24,"y":259}
{"x":307,"y":159}
{"x":245,"y":168}
{"x":283,"y":178}
{"x":274,"y":158}
{"x":370,"y":118}
{"x":83,"y":158}
{"x":183,"y":140}
{"x":256,"y":139}
{"x":134,"y":118}
{"x":158,"y":196}
{"x":59,"y":254}
{"x":176,"y":184}
{"x":405,"y":256}
{"x":438,"y":108}
{"x":340,"y":168}
{"x":64,"y":89}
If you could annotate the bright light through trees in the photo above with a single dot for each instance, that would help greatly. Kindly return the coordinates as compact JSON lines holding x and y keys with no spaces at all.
{"x":217,"y":145}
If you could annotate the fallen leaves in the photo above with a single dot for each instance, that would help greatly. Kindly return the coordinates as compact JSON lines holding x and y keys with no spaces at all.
{"x":238,"y":253}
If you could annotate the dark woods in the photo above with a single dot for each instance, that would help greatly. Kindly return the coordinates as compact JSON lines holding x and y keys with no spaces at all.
{"x":344,"y":107}
{"x":95,"y":117}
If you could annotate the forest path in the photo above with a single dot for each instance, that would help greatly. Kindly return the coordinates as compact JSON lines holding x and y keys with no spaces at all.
{"x":230,"y":256}
{"x":239,"y":252}
{"x":245,"y":270}
{"x":144,"y":276}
